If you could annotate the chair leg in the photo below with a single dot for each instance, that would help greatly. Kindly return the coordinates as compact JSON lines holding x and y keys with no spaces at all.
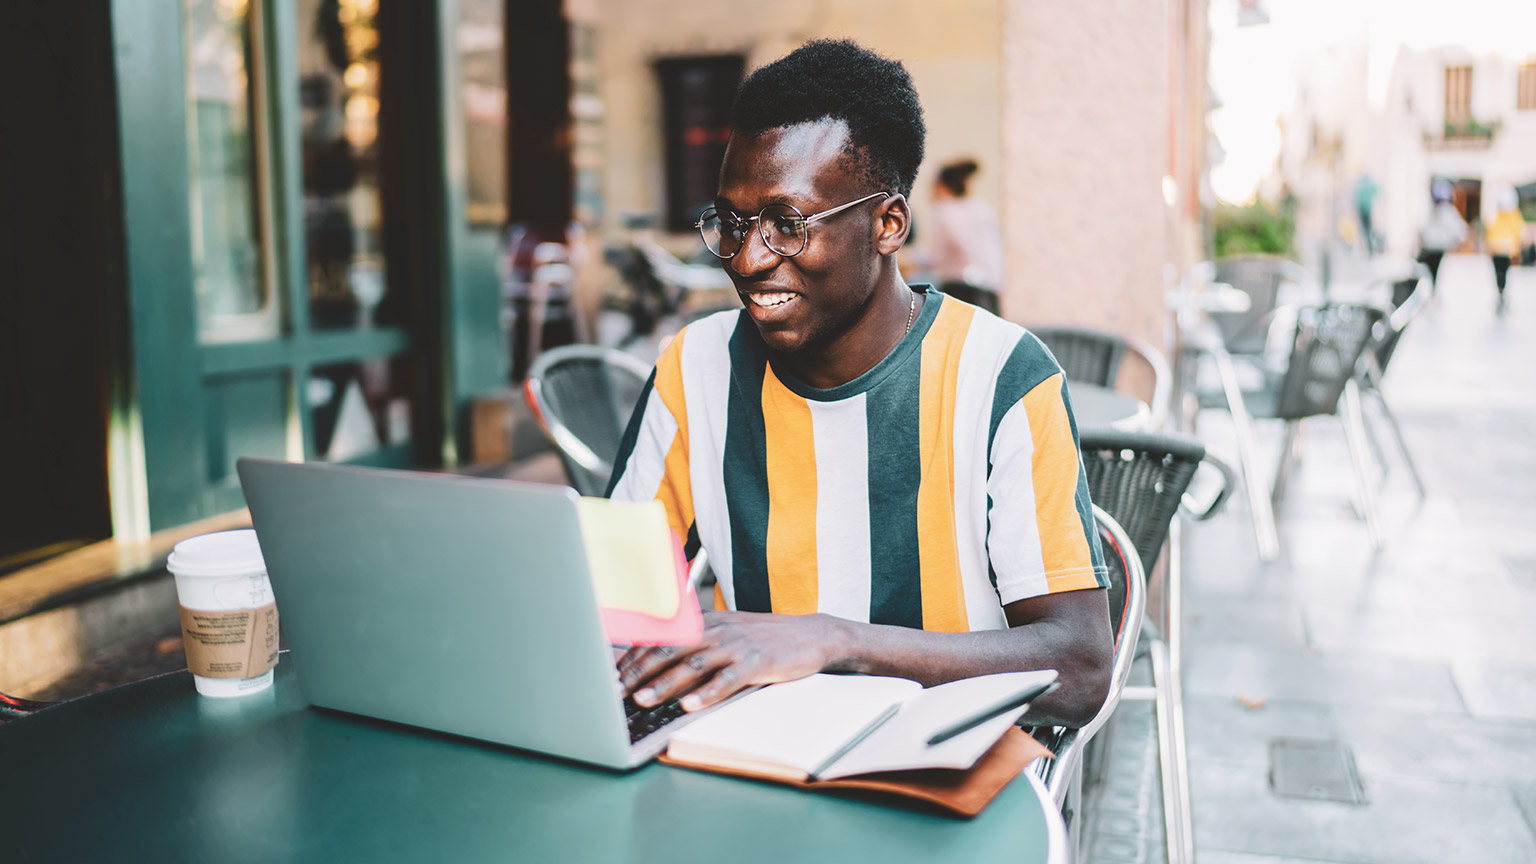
{"x":1263,"y":515}
{"x":1174,"y":589}
{"x":1287,"y":455}
{"x":1354,"y":435}
{"x":1176,"y":815}
{"x":1402,"y":444}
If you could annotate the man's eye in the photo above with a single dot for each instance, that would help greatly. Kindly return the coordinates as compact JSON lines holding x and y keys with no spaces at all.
{"x":787,"y":227}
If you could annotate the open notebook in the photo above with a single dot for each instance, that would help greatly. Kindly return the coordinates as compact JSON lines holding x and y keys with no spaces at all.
{"x":832,"y":726}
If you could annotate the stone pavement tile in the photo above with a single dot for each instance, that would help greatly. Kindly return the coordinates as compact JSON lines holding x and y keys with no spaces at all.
{"x":1216,"y":856}
{"x":1237,"y":669}
{"x":1220,"y":728}
{"x":1493,"y":689}
{"x":1525,"y":796}
{"x":1403,"y":821}
{"x":1424,"y":632}
{"x":1210,"y":617}
{"x":1444,"y":747}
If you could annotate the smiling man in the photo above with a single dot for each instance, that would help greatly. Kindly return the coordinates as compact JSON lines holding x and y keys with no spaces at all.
{"x":886,"y":479}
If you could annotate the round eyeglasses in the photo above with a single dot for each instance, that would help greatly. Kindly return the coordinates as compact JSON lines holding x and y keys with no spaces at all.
{"x":784,"y":229}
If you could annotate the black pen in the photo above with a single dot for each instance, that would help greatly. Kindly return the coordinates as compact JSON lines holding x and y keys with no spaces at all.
{"x":986,"y":714}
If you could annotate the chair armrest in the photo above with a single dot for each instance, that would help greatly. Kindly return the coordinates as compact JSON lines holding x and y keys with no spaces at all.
{"x":1203,"y":510}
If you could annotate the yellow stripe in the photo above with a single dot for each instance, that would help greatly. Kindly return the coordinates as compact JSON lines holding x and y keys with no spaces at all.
{"x":719,"y":596}
{"x":1064,"y":547}
{"x":675,"y":492}
{"x":790,"y":452}
{"x":943,"y":593}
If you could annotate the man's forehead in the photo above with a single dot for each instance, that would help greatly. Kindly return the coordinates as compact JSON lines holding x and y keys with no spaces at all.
{"x":806,"y":160}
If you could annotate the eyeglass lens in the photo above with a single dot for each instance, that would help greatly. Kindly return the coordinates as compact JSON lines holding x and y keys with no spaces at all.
{"x":782,"y":228}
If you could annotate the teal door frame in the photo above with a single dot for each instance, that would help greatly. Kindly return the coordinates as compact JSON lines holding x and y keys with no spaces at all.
{"x":171,"y":371}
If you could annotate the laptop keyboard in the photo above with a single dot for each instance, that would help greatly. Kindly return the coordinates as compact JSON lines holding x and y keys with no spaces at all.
{"x":644,"y":721}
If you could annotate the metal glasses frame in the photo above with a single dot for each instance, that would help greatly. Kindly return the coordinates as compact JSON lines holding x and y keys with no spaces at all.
{"x":806,"y":220}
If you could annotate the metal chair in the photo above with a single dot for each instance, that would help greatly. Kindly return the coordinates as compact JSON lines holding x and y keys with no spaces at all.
{"x":1320,"y":380}
{"x":1063,"y":775}
{"x":1409,"y":295}
{"x":12,"y":708}
{"x":1140,"y":479}
{"x":1261,"y":277}
{"x":582,"y":396}
{"x":1094,"y":356}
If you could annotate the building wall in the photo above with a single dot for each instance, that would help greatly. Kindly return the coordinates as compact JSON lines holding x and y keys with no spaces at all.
{"x":1085,"y":133}
{"x":951,"y":49}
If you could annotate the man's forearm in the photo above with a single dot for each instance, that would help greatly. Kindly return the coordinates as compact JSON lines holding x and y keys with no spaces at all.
{"x":934,"y":658}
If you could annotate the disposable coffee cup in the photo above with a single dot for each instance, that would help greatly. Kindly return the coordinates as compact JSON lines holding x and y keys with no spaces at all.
{"x":228,"y":614}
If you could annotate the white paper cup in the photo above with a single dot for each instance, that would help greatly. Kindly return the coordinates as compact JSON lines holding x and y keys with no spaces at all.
{"x":228,"y":616}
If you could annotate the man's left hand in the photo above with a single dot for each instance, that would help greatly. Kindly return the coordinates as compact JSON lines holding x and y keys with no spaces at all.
{"x":738,"y":649}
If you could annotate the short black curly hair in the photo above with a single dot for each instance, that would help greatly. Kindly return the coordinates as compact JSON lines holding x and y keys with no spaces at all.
{"x":840,"y":79}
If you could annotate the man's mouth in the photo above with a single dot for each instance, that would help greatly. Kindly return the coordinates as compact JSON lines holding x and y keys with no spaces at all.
{"x":770,"y":299}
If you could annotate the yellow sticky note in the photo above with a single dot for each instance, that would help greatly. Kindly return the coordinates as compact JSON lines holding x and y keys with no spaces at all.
{"x":630,"y":555}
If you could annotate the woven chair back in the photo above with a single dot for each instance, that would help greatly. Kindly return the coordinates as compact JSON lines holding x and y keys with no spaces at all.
{"x":1260,"y":277}
{"x":1328,"y":343}
{"x":1084,"y":355}
{"x":1139,"y":479}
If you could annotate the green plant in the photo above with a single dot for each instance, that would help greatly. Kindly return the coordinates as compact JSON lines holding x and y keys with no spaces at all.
{"x":1257,"y":229}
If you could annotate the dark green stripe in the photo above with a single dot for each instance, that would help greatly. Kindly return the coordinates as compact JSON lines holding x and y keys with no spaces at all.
{"x":1027,"y":365}
{"x":746,"y":474}
{"x":895,"y":470}
{"x":1084,"y":503}
{"x":631,"y":435}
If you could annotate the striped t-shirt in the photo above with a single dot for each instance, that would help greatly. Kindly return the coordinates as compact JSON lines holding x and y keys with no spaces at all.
{"x":931,"y":491}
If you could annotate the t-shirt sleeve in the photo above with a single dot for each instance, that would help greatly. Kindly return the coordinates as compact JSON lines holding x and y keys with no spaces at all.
{"x":1041,"y":537}
{"x":652,"y":463}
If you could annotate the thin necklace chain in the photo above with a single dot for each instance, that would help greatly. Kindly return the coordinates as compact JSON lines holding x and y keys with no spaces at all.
{"x":911,"y":312}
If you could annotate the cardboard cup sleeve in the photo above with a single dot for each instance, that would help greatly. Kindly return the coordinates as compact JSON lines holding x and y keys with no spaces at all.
{"x":230,"y":643}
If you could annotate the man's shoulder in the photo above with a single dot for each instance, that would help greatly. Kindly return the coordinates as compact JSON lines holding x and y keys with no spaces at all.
{"x":1006,"y":350}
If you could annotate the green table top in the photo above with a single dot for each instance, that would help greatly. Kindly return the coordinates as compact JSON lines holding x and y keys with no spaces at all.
{"x":153,"y":772}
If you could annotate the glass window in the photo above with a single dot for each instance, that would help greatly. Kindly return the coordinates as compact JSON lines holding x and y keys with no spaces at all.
{"x":338,"y":49}
{"x":483,"y":75}
{"x":234,"y":296}
{"x":359,"y":407}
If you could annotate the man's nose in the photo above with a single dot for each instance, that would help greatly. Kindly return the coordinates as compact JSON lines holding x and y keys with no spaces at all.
{"x":755,"y":258}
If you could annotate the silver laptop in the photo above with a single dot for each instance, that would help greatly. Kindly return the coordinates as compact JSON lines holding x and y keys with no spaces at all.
{"x":453,"y":603}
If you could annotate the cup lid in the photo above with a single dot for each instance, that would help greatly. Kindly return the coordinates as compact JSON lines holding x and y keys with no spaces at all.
{"x":226,"y":553}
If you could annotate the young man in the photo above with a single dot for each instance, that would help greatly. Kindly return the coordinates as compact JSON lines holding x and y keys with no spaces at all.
{"x":886,"y":479}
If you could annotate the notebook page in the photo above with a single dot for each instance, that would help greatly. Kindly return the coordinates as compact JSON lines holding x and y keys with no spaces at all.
{"x":797,"y":725}
{"x":902,"y":743}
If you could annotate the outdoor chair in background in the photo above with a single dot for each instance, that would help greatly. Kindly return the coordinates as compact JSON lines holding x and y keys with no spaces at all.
{"x":1141,"y":479}
{"x":12,"y":708}
{"x":1409,"y":294}
{"x":1261,"y":277}
{"x":1063,"y":775}
{"x":1318,"y":378}
{"x":1095,"y":356}
{"x":582,"y":396}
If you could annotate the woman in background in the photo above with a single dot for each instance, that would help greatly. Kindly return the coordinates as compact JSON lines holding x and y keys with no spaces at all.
{"x":1444,"y":232}
{"x":967,"y":245}
{"x":1504,"y":238}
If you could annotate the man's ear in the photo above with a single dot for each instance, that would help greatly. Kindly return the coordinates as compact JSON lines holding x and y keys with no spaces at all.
{"x":894,"y":223}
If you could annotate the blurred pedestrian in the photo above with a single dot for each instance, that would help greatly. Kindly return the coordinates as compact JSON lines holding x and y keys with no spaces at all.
{"x":1504,"y":238}
{"x":967,"y":244}
{"x":1365,"y":205}
{"x":1444,"y":232}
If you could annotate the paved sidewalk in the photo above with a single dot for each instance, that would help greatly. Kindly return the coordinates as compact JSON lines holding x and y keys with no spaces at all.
{"x":1419,"y":659}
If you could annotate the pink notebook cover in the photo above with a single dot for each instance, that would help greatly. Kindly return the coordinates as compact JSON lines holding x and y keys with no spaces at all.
{"x":628,"y":627}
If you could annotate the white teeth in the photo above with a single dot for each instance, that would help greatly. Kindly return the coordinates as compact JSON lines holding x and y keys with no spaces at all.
{"x":768,"y":301}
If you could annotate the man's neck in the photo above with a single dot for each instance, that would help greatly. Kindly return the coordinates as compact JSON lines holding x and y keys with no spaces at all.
{"x":886,"y":320}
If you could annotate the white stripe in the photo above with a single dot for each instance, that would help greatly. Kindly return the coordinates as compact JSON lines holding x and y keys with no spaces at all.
{"x":647,"y":464}
{"x":1014,"y":533}
{"x":706,"y":363}
{"x":988,"y":343}
{"x":841,"y":432}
